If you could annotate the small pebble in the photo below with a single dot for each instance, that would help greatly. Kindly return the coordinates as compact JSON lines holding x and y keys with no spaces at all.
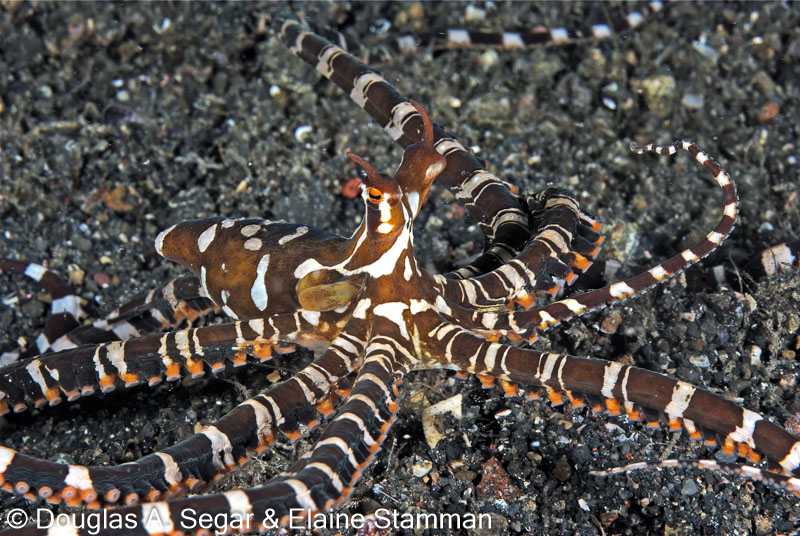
{"x":689,"y":488}
{"x":302,"y":133}
{"x":421,"y":467}
{"x":768,"y":112}
{"x":701,"y":361}
{"x":693,"y":101}
{"x":102,"y":279}
{"x":706,"y":51}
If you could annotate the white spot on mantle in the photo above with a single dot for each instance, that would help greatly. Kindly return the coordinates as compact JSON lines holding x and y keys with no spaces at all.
{"x":206,"y":237}
{"x":258,"y":292}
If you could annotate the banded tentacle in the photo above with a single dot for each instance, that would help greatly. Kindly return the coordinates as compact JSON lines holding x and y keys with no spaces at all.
{"x":80,"y":371}
{"x":66,"y":312}
{"x":520,"y":322}
{"x":289,"y":409}
{"x":790,"y":483}
{"x":167,"y":307}
{"x":319,"y":481}
{"x":504,"y":222}
{"x":180,"y":300}
{"x":538,"y":36}
{"x":617,"y":388}
{"x":565,"y":239}
{"x":162,"y":309}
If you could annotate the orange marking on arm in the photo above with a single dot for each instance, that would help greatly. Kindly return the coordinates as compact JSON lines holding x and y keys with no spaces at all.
{"x":742,"y":449}
{"x":532,"y":336}
{"x":173,"y":372}
{"x":492,"y":336}
{"x":263,"y":351}
{"x":88,"y":495}
{"x":513,"y":337}
{"x":510,"y":388}
{"x":325,"y":407}
{"x":728,"y":447}
{"x":265,"y":441}
{"x":313,"y":423}
{"x":107,"y":382}
{"x":580,"y":262}
{"x":695,"y":435}
{"x":576,"y":402}
{"x":524,"y":300}
{"x":239,"y":358}
{"x":613,"y":406}
{"x":70,"y":496}
{"x":556,"y":398}
{"x":293,"y":435}
{"x":129,"y":379}
{"x":52,"y":396}
{"x":487,"y":382}
{"x":195,"y":368}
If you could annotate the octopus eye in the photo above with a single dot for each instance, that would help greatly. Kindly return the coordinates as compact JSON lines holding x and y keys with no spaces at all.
{"x":374,"y":194}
